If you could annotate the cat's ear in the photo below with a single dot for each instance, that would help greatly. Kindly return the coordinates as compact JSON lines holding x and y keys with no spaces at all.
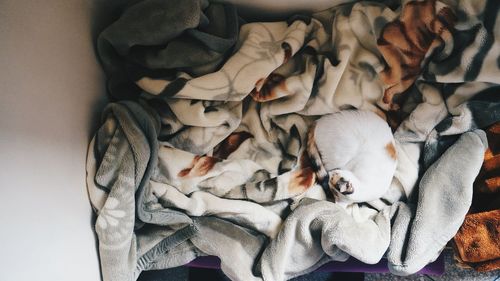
{"x":334,"y":179}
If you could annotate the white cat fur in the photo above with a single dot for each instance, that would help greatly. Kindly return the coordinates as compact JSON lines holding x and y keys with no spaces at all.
{"x":357,"y":150}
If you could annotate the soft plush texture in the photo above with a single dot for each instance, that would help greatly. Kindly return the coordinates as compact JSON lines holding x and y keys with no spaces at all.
{"x":214,"y":162}
{"x":149,"y":36}
{"x":477,"y":243}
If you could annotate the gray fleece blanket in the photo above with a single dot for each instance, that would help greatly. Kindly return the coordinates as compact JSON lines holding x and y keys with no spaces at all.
{"x":210,"y":160}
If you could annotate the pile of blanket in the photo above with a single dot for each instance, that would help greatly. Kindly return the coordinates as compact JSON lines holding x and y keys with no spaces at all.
{"x":203,"y":152}
{"x":477,"y":243}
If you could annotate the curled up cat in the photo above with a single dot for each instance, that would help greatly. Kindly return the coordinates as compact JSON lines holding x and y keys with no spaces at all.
{"x":353,"y":155}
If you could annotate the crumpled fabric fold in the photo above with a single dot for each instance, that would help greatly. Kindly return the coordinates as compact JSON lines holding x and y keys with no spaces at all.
{"x":212,"y":148}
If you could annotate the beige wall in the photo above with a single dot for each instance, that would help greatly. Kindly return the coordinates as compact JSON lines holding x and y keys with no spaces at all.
{"x":51,"y":88}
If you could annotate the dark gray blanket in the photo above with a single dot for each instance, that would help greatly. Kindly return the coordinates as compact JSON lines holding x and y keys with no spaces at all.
{"x":157,"y":38}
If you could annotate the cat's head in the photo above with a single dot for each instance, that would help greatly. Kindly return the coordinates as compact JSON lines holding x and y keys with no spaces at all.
{"x":341,"y":181}
{"x":343,"y":185}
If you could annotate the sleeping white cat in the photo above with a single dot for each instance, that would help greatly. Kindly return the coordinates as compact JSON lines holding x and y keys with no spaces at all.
{"x":353,"y":155}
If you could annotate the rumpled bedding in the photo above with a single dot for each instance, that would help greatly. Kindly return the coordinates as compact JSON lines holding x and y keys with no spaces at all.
{"x":203,"y":150}
{"x":477,"y":242}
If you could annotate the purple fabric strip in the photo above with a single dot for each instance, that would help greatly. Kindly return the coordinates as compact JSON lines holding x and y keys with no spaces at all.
{"x":351,"y":265}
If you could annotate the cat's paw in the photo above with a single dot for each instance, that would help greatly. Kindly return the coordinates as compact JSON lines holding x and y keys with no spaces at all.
{"x":342,"y":182}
